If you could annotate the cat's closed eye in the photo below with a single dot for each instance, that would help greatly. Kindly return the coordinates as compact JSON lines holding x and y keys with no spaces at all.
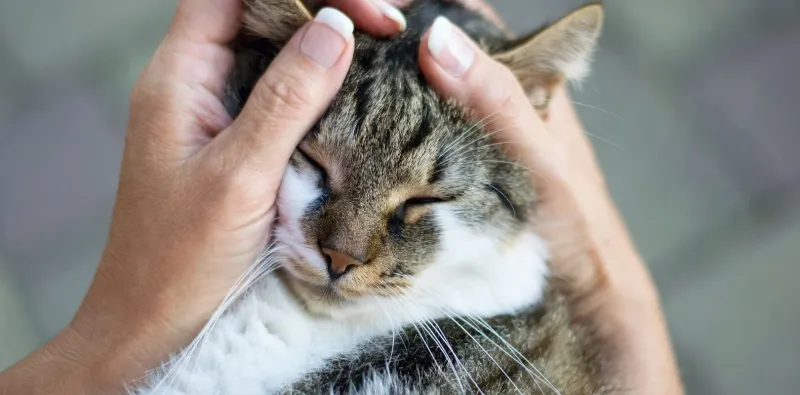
{"x":424,"y":200}
{"x":411,"y":211}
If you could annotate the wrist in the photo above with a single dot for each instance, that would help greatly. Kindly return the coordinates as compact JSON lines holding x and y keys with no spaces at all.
{"x":630,"y":305}
{"x":57,"y":367}
{"x":119,"y":346}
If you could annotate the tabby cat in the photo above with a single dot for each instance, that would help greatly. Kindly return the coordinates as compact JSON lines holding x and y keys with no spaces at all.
{"x":403,"y":261}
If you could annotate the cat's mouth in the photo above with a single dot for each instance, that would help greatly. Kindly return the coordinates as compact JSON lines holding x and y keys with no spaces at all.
{"x":307,"y":270}
{"x":317,"y":294}
{"x":321,"y":284}
{"x":315,"y":287}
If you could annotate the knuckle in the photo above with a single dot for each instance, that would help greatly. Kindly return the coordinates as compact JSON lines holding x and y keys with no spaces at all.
{"x":504,"y":93}
{"x":232,"y":174}
{"x":507,"y":81}
{"x":491,"y":87}
{"x":244,"y":189}
{"x":284,"y":95}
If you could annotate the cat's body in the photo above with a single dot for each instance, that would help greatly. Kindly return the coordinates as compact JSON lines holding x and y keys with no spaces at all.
{"x":449,"y":293}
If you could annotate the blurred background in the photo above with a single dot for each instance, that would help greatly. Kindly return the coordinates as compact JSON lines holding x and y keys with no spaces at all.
{"x":694,"y":108}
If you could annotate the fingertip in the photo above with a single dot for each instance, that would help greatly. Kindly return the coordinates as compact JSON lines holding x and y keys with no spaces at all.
{"x":484,"y":86}
{"x":433,"y":72}
{"x":327,"y":38}
{"x":435,"y":68}
{"x":376,"y":17}
{"x":393,"y":14}
{"x":301,"y":81}
{"x":458,"y":68}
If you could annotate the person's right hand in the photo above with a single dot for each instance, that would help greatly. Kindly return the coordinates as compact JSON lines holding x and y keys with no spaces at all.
{"x":593,"y":258}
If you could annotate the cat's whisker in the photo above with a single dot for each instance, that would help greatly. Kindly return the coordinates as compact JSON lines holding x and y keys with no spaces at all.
{"x":475,"y":128}
{"x":505,"y":162}
{"x":479,"y":147}
{"x":394,"y":330}
{"x":488,"y":327}
{"x":441,"y":334}
{"x":504,"y":341}
{"x":513,"y":210}
{"x":459,"y":152}
{"x":598,"y":109}
{"x":445,"y":312}
{"x":261,"y":267}
{"x":605,"y":140}
{"x":400,"y":304}
{"x":465,"y":146}
{"x":444,"y":352}
{"x":189,"y":351}
{"x":442,"y":309}
{"x":265,"y":267}
{"x":483,"y":349}
{"x":536,"y":376}
{"x":449,"y":147}
{"x":427,"y":325}
{"x":453,"y":148}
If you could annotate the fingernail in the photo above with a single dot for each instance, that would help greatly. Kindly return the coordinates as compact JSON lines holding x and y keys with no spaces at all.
{"x":449,"y":48}
{"x":327,"y":37}
{"x":392,"y":13}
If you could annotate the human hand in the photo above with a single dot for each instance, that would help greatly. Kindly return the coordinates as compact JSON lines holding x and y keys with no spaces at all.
{"x":196,"y":195}
{"x":593,"y":260}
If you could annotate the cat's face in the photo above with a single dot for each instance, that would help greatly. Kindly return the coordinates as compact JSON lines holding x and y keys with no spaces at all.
{"x":395,"y":186}
{"x":391,"y":174}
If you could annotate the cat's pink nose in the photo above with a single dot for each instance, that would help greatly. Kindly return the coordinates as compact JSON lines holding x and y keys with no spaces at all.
{"x":339,"y":262}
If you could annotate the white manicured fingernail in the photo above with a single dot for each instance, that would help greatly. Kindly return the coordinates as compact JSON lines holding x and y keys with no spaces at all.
{"x":327,"y":37}
{"x":392,"y":13}
{"x":337,"y":21}
{"x":449,"y":48}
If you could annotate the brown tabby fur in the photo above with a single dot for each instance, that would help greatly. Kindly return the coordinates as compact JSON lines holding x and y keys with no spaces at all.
{"x":383,"y":142}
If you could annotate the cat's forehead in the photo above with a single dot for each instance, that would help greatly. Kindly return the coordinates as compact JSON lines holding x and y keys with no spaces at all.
{"x":386,"y":108}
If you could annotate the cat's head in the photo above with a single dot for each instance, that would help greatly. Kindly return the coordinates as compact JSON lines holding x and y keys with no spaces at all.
{"x":394,"y":182}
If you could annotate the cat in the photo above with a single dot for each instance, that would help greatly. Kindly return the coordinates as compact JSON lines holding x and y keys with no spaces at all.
{"x":403,"y":261}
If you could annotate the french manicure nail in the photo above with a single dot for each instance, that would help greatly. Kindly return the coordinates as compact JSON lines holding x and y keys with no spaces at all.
{"x":327,"y":37}
{"x":449,"y":49}
{"x":392,"y":13}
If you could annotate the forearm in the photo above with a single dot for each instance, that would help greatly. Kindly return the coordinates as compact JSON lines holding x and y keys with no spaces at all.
{"x":75,"y":362}
{"x":54,"y":368}
{"x":632,"y":307}
{"x":599,"y":262}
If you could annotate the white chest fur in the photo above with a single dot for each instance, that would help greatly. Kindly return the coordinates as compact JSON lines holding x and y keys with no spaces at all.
{"x":269,"y":341}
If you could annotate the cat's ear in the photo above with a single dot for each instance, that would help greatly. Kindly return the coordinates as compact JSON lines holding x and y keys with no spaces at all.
{"x":561,"y":51}
{"x":275,"y":20}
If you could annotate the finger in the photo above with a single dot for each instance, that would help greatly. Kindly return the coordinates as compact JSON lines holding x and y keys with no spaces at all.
{"x":377,"y":17}
{"x":193,"y":57}
{"x":291,"y":95}
{"x":206,"y":21}
{"x":456,"y":67}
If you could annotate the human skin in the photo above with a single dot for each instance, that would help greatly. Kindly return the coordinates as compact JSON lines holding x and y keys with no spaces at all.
{"x":594,"y":260}
{"x":197,"y":191}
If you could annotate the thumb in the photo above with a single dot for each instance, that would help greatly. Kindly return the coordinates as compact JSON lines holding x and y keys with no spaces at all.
{"x":290,"y":97}
{"x":457,"y":68}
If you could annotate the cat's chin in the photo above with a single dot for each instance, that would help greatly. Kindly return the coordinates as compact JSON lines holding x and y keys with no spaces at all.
{"x":325,"y":299}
